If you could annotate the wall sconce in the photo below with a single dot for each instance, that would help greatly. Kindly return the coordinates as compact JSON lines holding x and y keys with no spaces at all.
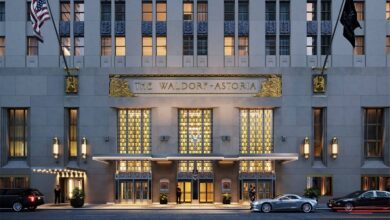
{"x":56,"y":148}
{"x":84,"y":148}
{"x":306,"y":148}
{"x":334,"y":148}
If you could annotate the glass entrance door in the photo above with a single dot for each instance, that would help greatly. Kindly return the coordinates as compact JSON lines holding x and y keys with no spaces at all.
{"x":186,"y":191}
{"x":141,"y":191}
{"x":264,"y":189}
{"x":246,"y":186}
{"x":127,"y":191}
{"x":206,"y":192}
{"x":134,"y":191}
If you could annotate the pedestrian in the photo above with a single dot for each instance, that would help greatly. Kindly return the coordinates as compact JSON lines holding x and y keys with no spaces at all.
{"x":57,"y":193}
{"x":253,"y":194}
{"x":250,"y":192}
{"x":178,"y":194}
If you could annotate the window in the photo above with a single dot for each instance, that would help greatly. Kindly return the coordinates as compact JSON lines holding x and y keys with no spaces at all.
{"x":65,"y":45}
{"x":32,"y":46}
{"x":106,"y":46}
{"x":319,"y":132}
{"x":270,"y":45}
{"x":147,"y":46}
{"x":120,"y":46}
{"x":256,"y":166}
{"x":229,"y":46}
{"x":2,"y":11}
{"x":147,"y":11}
{"x":65,"y":11}
{"x":161,"y":46}
{"x":326,"y":10}
{"x":79,"y":46}
{"x":373,"y":132}
{"x":195,"y":131}
{"x":202,"y":45}
{"x":120,"y":11}
{"x":325,"y":45}
{"x":256,"y":133}
{"x":311,"y":45}
{"x":2,"y":46}
{"x":375,"y":183}
{"x":284,"y":11}
{"x":188,"y":45}
{"x":105,"y":11}
{"x":201,"y":166}
{"x":135,"y":166}
{"x":359,"y":6}
{"x":270,"y":11}
{"x":243,"y":46}
{"x":284,"y":48}
{"x":322,"y":183}
{"x":188,"y":10}
{"x":79,"y":11}
{"x":229,"y":10}
{"x":243,"y":10}
{"x":28,"y":10}
{"x":17,"y":133}
{"x":14,"y":182}
{"x":311,"y":11}
{"x":202,"y":11}
{"x":359,"y":45}
{"x":134,"y":131}
{"x":72,"y":132}
{"x":387,"y":10}
{"x":388,"y":45}
{"x":161,"y":11}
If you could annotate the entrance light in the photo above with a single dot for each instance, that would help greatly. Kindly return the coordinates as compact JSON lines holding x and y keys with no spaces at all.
{"x":335,"y":148}
{"x":306,"y":148}
{"x":84,"y":148}
{"x":56,"y":148}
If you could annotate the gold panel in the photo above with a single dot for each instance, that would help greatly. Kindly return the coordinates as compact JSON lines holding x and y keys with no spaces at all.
{"x":319,"y":84}
{"x":119,"y":87}
{"x":272,"y":87}
{"x":134,"y":166}
{"x":256,"y":167}
{"x":71,"y":85}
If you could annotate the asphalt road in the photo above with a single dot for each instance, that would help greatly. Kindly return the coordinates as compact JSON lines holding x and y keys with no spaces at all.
{"x":179,"y":214}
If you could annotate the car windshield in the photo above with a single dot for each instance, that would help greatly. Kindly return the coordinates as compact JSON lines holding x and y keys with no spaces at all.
{"x":354,"y":194}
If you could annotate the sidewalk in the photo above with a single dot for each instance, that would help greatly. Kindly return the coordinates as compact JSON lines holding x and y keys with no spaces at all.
{"x":66,"y":206}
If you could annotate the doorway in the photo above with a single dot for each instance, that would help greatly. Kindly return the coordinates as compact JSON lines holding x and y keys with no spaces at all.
{"x":186,"y":191}
{"x":206,"y":192}
{"x":67,"y":186}
{"x":264,"y":189}
{"x":134,"y":191}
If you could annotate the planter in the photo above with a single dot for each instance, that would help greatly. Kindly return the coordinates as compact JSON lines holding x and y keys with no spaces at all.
{"x":225,"y":200}
{"x":77,"y":203}
{"x":163,"y":201}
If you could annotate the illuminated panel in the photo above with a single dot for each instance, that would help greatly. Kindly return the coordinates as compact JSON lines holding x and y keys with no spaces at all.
{"x":201,"y":166}
{"x":135,"y":166}
{"x":256,"y":167}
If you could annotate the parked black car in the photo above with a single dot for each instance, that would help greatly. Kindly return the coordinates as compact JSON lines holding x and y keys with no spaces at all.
{"x":372,"y":199}
{"x":18,"y":199}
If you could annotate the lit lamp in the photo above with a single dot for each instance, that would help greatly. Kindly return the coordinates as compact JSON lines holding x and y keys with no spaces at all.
{"x":56,"y":148}
{"x":84,"y":148}
{"x":335,"y":148}
{"x":306,"y":148}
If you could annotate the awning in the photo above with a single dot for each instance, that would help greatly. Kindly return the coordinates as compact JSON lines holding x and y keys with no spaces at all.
{"x":61,"y":171}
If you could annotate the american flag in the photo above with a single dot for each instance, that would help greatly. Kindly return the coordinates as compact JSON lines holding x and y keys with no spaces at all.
{"x":39,"y":14}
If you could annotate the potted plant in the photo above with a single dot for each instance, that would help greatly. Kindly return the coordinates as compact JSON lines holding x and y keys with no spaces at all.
{"x":163,"y":198}
{"x":312,"y":192}
{"x":226,"y":198}
{"x":77,"y":200}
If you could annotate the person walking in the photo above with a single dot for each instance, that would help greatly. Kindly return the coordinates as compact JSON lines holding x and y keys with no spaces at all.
{"x":57,"y":193}
{"x":178,"y":194}
{"x":253,"y":193}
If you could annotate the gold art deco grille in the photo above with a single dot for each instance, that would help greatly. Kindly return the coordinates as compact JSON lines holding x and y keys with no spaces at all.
{"x":201,"y":166}
{"x":135,"y":166}
{"x":256,"y":132}
{"x":134,"y":131}
{"x":256,"y":167}
{"x":195,"y":131}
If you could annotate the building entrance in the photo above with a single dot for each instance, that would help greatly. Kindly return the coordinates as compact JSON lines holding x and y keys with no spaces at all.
{"x":186,"y":191}
{"x":134,"y":191}
{"x":264,"y":189}
{"x":206,"y":192}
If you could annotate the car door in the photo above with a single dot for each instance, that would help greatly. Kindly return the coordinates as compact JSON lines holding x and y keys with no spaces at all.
{"x":293,"y":203}
{"x":366,"y":199}
{"x":283,"y":203}
{"x":2,"y":198}
{"x":382,"y":199}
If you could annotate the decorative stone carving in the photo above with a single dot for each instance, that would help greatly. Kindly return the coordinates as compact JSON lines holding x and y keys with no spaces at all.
{"x":284,"y":27}
{"x":202,"y":27}
{"x":270,"y":27}
{"x":71,"y":84}
{"x":119,"y":87}
{"x":243,"y":28}
{"x":272,"y":87}
{"x":79,"y":28}
{"x":64,"y":28}
{"x":147,"y":28}
{"x":161,"y":28}
{"x":312,"y":27}
{"x":120,"y":28}
{"x":188,"y":27}
{"x":326,"y":27}
{"x":319,"y":84}
{"x":229,"y":27}
{"x":105,"y":27}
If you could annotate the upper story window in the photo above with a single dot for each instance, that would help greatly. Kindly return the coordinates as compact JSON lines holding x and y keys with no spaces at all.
{"x":376,"y":183}
{"x":120,"y":10}
{"x":2,"y":46}
{"x":387,"y":45}
{"x":243,"y":46}
{"x":243,"y":11}
{"x":229,"y":10}
{"x":72,"y":132}
{"x":135,"y":166}
{"x":161,"y":11}
{"x":120,"y":46}
{"x":79,"y":11}
{"x":17,"y":133}
{"x":65,"y":45}
{"x":147,"y":46}
{"x":256,"y":166}
{"x":106,"y":49}
{"x":79,"y":46}
{"x":202,"y":45}
{"x":311,"y":45}
{"x":284,"y":47}
{"x":134,"y":131}
{"x":326,"y":10}
{"x":270,"y":45}
{"x":322,"y":183}
{"x":161,"y":46}
{"x":2,"y":11}
{"x":359,"y":6}
{"x":270,"y":11}
{"x":325,"y":45}
{"x":189,"y":166}
{"x":387,"y":10}
{"x":256,"y":131}
{"x":28,"y":11}
{"x":311,"y":10}
{"x":147,"y":11}
{"x":195,"y":131}
{"x":202,"y":11}
{"x":359,"y":46}
{"x":65,"y":11}
{"x":188,"y":45}
{"x":284,"y":11}
{"x":188,"y":11}
{"x":373,"y":132}
{"x":105,"y":11}
{"x":229,"y":46}
{"x":32,"y":46}
{"x":14,"y":182}
{"x":318,"y":132}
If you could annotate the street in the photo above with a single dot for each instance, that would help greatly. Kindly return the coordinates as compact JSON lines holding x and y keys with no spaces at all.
{"x":41,"y":214}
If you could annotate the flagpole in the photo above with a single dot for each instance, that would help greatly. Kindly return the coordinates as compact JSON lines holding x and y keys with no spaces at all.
{"x":331,"y":39}
{"x":58,"y":38}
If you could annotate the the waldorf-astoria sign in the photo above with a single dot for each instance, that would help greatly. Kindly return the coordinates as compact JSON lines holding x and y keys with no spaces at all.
{"x":257,"y":85}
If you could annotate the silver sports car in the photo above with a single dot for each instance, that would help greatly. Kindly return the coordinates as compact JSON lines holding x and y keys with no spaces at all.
{"x":284,"y":202}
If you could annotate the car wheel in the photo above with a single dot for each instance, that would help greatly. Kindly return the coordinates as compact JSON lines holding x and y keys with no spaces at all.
{"x":32,"y":208}
{"x":348,"y":207}
{"x":17,"y":206}
{"x":306,"y":208}
{"x":266,"y":207}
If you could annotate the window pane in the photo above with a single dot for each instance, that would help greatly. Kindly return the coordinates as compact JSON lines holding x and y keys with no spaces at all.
{"x":311,"y":45}
{"x":373,"y":132}
{"x":65,"y":45}
{"x":187,"y":11}
{"x":243,"y":46}
{"x":326,"y":10}
{"x":120,"y":10}
{"x":270,"y":45}
{"x":65,"y":11}
{"x":79,"y":11}
{"x":202,"y":11}
{"x":311,"y":11}
{"x":106,"y":11}
{"x":147,"y":11}
{"x":229,"y":10}
{"x":161,"y":9}
{"x":79,"y":46}
{"x":2,"y":46}
{"x":359,"y":6}
{"x":17,"y":132}
{"x":202,"y":45}
{"x":270,"y":11}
